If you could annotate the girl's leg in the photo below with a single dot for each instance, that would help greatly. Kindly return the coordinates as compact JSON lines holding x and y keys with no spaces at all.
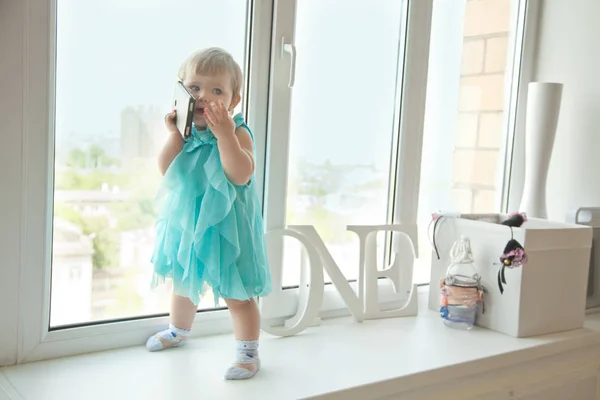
{"x":183,"y":312}
{"x":246,"y":327}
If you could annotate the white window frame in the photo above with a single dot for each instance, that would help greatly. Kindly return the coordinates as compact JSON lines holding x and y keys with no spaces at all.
{"x":515,"y":166}
{"x":283,"y":303}
{"x":35,"y":340}
{"x":27,"y":184}
{"x":12,"y":78}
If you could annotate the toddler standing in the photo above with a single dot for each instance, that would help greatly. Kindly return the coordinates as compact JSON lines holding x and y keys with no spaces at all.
{"x":210,"y":230}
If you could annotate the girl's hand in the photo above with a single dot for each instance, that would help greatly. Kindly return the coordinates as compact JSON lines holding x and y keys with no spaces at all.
{"x":170,"y":119}
{"x":219,"y":121}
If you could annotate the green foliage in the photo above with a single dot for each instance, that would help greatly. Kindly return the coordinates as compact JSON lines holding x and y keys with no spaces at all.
{"x":314,"y":183}
{"x":134,"y":214}
{"x":68,"y":213}
{"x":95,"y":157}
{"x":74,"y":179}
{"x":88,"y":170}
{"x":95,"y":154}
{"x":127,"y":301}
{"x":331,"y":226}
{"x":105,"y":240}
{"x":139,"y":211}
{"x":77,"y":158}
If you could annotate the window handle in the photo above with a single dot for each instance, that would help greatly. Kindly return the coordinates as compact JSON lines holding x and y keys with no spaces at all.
{"x":291,"y":49}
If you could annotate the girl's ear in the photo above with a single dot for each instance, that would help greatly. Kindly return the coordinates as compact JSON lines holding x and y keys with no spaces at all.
{"x":234,"y":102}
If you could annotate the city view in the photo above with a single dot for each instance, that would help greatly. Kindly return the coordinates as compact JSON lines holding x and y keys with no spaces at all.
{"x":341,"y":160}
{"x":104,"y":216}
{"x":106,"y":147}
{"x":113,"y":87}
{"x":103,"y":222}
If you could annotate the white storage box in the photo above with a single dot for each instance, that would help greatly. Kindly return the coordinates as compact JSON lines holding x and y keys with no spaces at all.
{"x":546,"y":295}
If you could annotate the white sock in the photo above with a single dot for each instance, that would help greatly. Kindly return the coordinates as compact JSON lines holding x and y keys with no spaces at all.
{"x":172,"y":337}
{"x":246,"y":353}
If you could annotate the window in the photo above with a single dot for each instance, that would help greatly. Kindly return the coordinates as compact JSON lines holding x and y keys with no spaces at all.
{"x":113,"y":87}
{"x":98,"y":79}
{"x":344,"y":132}
{"x":92,"y":73}
{"x":342,"y":135}
{"x":473,"y":67}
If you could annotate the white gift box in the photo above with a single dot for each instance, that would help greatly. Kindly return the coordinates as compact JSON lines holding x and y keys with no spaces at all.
{"x":546,"y":295}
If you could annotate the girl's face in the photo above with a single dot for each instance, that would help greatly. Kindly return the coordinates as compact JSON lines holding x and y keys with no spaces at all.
{"x":207,"y":89}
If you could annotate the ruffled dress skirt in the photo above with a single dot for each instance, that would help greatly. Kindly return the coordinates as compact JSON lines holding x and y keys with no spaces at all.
{"x":209,"y":232}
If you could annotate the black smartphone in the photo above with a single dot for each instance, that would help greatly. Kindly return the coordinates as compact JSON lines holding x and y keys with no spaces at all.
{"x":185,"y":104}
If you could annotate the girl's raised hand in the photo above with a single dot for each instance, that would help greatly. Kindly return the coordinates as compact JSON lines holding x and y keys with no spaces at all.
{"x":170,"y":120}
{"x":219,"y":120}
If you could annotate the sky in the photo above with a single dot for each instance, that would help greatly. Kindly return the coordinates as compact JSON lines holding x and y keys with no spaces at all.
{"x":113,"y":54}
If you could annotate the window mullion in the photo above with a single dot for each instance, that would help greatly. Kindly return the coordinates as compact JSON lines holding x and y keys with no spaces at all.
{"x":257,"y":95}
{"x":523,"y":72}
{"x":412,"y":113}
{"x":277,"y":144}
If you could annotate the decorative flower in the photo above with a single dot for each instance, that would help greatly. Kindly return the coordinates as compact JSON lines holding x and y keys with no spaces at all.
{"x":514,"y":255}
{"x":522,"y":214}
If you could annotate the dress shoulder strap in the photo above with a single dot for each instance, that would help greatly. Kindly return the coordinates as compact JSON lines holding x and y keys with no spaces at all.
{"x":239,"y":121}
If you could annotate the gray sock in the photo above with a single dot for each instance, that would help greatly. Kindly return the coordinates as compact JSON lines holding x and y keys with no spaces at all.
{"x":246,"y":353}
{"x":173,"y":336}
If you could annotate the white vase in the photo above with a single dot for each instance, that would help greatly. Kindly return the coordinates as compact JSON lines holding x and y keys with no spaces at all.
{"x":543,"y":107}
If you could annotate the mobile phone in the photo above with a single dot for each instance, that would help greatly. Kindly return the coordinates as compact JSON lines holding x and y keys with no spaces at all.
{"x":185,"y":104}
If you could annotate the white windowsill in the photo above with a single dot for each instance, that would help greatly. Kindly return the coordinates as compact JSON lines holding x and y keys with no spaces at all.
{"x":387,"y":355}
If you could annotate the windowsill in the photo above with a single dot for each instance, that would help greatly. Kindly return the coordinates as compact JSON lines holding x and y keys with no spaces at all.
{"x":340,"y":355}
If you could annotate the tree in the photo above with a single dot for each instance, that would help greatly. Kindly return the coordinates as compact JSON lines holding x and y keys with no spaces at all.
{"x":73,"y":179}
{"x":77,"y":158}
{"x":139,"y":211}
{"x":136,"y":213}
{"x":86,"y":170}
{"x":104,"y":239}
{"x":315,"y":182}
{"x":108,"y":161}
{"x":94,"y":157}
{"x":96,"y":153}
{"x":67,"y":213}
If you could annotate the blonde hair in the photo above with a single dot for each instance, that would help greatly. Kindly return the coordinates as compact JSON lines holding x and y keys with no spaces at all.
{"x":213,"y":61}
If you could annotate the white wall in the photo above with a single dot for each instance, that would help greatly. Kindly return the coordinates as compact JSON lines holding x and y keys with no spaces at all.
{"x":568,"y":51}
{"x":11,"y":122}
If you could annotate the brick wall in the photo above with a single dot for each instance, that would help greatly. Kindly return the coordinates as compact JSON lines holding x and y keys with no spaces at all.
{"x":481,"y":104}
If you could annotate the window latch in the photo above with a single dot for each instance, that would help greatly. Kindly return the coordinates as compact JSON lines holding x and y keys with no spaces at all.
{"x":291,"y":49}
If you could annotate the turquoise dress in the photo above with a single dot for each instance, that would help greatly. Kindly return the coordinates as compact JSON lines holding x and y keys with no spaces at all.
{"x":209,"y":231}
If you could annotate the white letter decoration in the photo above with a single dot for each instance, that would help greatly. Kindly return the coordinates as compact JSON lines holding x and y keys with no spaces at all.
{"x":365,"y":304}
